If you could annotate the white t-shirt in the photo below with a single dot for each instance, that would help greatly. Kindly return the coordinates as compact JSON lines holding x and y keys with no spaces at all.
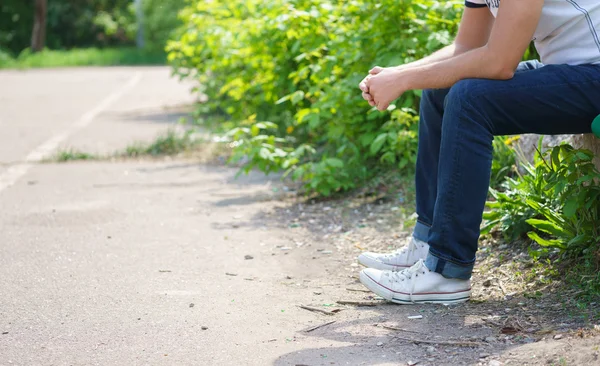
{"x":568,"y":31}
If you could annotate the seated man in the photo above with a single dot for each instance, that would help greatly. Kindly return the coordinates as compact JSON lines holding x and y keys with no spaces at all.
{"x":476,"y":89}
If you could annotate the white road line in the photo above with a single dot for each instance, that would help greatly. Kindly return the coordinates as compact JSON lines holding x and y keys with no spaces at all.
{"x":15,"y":172}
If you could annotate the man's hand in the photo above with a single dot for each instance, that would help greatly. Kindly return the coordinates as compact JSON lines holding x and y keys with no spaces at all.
{"x":365,"y":89}
{"x":381,"y":87}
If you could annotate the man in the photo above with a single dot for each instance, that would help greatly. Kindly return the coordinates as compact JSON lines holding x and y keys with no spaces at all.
{"x":475,"y":89}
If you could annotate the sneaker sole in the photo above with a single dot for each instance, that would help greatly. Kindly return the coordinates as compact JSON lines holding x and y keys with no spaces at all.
{"x":372,"y":263}
{"x":405,"y":299}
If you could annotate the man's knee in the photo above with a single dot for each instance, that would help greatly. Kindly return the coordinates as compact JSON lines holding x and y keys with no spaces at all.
{"x":471,"y":101}
{"x":433,"y":98}
{"x":465,"y":92}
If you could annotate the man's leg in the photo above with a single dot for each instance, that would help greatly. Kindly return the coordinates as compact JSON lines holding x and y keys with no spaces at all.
{"x":430,"y":135}
{"x":431,"y":113}
{"x":554,"y":99}
{"x":430,"y":138}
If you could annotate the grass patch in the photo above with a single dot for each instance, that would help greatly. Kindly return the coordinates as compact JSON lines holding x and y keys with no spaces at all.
{"x":584,"y":275}
{"x":72,"y":155}
{"x":170,"y":143}
{"x":83,"y":57}
{"x":167,"y":144}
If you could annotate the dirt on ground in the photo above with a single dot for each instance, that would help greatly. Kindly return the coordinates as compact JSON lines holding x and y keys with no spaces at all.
{"x":516,"y":316}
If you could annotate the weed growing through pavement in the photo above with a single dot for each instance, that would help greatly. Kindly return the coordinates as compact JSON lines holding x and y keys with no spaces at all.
{"x":167,"y":144}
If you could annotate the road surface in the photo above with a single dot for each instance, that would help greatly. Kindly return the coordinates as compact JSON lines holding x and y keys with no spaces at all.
{"x":124,"y":263}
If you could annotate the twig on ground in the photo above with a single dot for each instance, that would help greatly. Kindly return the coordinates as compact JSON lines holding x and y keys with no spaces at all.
{"x":501,"y":286}
{"x":315,"y":327}
{"x":505,"y":273}
{"x":397,"y":329}
{"x":357,"y":290}
{"x":326,"y":312}
{"x":443,"y":343}
{"x":359,"y":303}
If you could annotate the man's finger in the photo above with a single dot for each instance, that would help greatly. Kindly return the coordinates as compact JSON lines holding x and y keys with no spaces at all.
{"x":367,"y":96}
{"x":363,"y":85}
{"x":382,"y":107}
{"x":376,"y":70}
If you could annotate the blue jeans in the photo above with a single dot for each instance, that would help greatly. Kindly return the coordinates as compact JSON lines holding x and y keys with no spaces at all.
{"x":456,"y":130}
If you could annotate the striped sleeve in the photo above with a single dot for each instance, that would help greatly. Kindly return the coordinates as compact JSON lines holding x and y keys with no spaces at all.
{"x":475,"y":3}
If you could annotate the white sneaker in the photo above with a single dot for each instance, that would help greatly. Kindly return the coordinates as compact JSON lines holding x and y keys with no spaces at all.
{"x":417,"y":284}
{"x":398,"y":260}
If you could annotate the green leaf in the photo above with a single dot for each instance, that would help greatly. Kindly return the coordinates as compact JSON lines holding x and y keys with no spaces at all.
{"x":366,"y":139}
{"x":579,"y":239}
{"x":284,"y":99}
{"x":545,"y":242}
{"x":301,"y":114}
{"x":585,"y":156}
{"x":555,"y":157}
{"x":378,"y":143}
{"x":547,"y":227}
{"x":313,"y":120}
{"x":335,"y":162}
{"x":485,"y":229}
{"x":570,"y":207}
{"x":297,"y":96}
{"x":264,"y":154}
{"x":546,"y":212}
{"x":389,"y":157}
{"x":491,"y":215}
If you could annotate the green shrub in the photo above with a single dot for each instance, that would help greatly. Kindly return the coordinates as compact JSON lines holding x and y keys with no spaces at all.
{"x":556,"y":202}
{"x":285,"y":73}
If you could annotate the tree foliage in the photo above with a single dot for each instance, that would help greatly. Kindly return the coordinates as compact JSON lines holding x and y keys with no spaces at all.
{"x":87,"y":23}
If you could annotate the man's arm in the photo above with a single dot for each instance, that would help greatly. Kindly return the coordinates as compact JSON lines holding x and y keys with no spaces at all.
{"x":473,"y":32}
{"x":498,"y":59}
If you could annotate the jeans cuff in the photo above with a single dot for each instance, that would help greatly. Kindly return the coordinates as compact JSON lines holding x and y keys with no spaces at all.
{"x":421,"y":231}
{"x":447,"y":268}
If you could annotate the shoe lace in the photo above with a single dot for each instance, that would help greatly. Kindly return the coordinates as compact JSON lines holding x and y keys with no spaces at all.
{"x":410,"y":248}
{"x":409,"y":274}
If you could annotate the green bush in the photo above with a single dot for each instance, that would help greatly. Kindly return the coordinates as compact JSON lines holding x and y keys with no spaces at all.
{"x":285,"y":75}
{"x":556,"y":202}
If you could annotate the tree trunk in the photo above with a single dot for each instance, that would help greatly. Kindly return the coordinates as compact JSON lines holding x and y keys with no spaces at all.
{"x":38,"y":35}
{"x":528,"y":143}
{"x":589,"y":142}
